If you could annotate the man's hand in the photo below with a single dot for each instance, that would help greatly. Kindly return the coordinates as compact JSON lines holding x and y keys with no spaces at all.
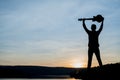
{"x":103,"y":19}
{"x":84,"y":19}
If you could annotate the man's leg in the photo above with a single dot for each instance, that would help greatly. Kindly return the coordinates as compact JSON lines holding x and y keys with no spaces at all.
{"x":97,"y":53}
{"x":90,"y":54}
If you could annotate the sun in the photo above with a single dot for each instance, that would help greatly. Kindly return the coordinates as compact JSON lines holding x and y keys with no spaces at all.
{"x":77,"y":65}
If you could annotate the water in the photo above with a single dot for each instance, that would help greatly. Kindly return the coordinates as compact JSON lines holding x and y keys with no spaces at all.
{"x":42,"y":79}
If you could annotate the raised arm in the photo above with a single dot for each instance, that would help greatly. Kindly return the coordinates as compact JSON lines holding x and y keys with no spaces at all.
{"x":84,"y":26}
{"x":101,"y":27}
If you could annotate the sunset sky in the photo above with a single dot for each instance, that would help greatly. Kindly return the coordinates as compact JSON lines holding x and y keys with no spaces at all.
{"x":48,"y":33}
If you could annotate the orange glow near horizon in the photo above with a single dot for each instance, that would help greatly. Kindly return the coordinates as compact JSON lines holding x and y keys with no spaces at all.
{"x":77,"y":65}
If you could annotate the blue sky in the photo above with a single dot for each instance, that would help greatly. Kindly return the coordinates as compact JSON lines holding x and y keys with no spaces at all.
{"x":48,"y":33}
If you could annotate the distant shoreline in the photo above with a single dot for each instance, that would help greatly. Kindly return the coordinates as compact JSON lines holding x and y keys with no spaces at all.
{"x":107,"y":72}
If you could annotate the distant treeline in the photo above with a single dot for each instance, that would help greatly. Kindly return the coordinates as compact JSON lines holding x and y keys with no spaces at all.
{"x":34,"y":71}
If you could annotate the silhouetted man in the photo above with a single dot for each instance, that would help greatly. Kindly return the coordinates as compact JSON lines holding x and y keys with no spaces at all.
{"x":93,"y":44}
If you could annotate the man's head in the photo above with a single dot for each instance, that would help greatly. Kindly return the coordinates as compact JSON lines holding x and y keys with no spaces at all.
{"x":93,"y":27}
